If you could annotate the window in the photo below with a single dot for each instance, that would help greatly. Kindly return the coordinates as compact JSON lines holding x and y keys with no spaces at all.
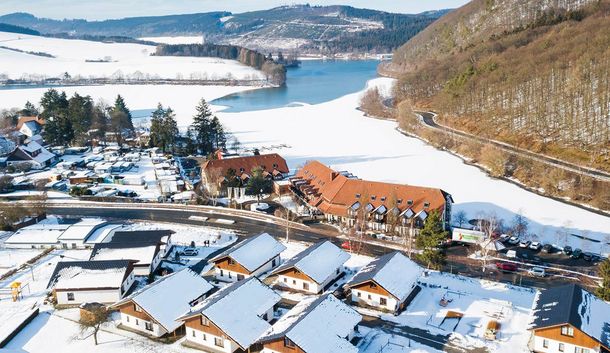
{"x":231,"y":261}
{"x":370,"y":297}
{"x":127,"y":318}
{"x":383,"y":301}
{"x":409,"y":202}
{"x":545,"y":343}
{"x":359,"y":294}
{"x":285,"y":279}
{"x":273,"y":263}
{"x":373,"y":285}
{"x":383,"y":198}
{"x":288,"y":343}
{"x":219,"y":342}
{"x":240,"y":277}
{"x":222,"y":273}
{"x":294,"y":281}
{"x":373,"y":197}
{"x":137,"y":322}
{"x":338,"y":270}
{"x":194,"y":333}
{"x":137,"y":308}
{"x":426,"y":204}
{"x":205,"y":321}
{"x":148,"y":326}
{"x":567,"y":331}
{"x":70,"y":297}
{"x":305,"y":285}
{"x":562,"y":347}
{"x":230,"y":276}
{"x":357,"y":196}
{"x":399,"y":201}
{"x":205,"y":337}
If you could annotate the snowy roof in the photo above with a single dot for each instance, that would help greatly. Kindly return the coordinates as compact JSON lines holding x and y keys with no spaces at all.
{"x":570,"y":304}
{"x":318,"y":262}
{"x":82,"y":229}
{"x":143,"y":254}
{"x":253,"y":252}
{"x":237,"y":310}
{"x":89,"y":274}
{"x":100,"y":234}
{"x":169,"y":297}
{"x":317,"y":325}
{"x":394,"y":272}
{"x":38,"y":234}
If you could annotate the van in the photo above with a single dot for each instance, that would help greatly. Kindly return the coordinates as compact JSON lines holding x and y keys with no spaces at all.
{"x":511,"y":254}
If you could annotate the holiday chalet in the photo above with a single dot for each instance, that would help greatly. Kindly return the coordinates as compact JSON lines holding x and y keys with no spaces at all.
{"x":384,"y":206}
{"x":251,"y":257}
{"x":231,"y":319}
{"x":570,"y":319}
{"x":154,"y":309}
{"x":313,"y":269}
{"x":388,"y":283}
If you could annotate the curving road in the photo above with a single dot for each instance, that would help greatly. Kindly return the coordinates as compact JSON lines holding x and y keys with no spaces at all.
{"x":428,"y":119}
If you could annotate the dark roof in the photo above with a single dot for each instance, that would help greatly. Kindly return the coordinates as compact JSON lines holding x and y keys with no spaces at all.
{"x":147,"y":237}
{"x":375,"y":266}
{"x":571,"y":304}
{"x":87,"y":265}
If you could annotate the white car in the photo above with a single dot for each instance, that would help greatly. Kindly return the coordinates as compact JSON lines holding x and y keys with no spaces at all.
{"x":190,"y":252}
{"x":513,"y":240}
{"x":537,"y":272}
{"x":524,"y":244}
{"x":504,"y":238}
{"x":535,"y":246}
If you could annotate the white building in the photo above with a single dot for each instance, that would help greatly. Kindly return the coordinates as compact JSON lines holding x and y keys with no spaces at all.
{"x":77,"y":282}
{"x":232,"y":318}
{"x":569,"y":319}
{"x":51,"y":234}
{"x":386,"y":283}
{"x":76,"y":235}
{"x":315,"y":325}
{"x":250,"y":257}
{"x":313,"y":268}
{"x":154,"y":309}
{"x":33,"y":154}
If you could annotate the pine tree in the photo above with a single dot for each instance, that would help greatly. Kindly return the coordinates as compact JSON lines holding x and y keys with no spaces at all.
{"x":80,"y":114}
{"x":429,"y":239}
{"x":170,"y":129}
{"x":156,"y":127}
{"x":201,"y":127}
{"x":218,"y":134}
{"x":119,"y":105}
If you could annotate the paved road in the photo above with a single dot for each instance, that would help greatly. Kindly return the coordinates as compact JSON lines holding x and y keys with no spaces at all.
{"x":428,"y":119}
{"x":457,"y":263}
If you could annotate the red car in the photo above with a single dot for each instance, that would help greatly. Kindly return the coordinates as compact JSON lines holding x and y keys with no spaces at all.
{"x":506,"y":266}
{"x":346,"y":245}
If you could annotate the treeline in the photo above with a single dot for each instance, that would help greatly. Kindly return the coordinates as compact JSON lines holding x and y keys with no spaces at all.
{"x":77,"y":120}
{"x":275,"y":73}
{"x":544,"y":87}
{"x":5,"y":27}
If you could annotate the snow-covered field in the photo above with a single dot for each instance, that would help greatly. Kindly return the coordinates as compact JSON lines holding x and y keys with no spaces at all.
{"x":123,"y":60}
{"x":11,"y":259}
{"x":175,"y":40}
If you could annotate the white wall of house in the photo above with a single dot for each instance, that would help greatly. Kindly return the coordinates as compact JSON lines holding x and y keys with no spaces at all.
{"x":71,"y":244}
{"x":106,"y":296}
{"x":9,"y":245}
{"x":208,"y":340}
{"x":298,"y":284}
{"x":268,"y":266}
{"x":140,"y":325}
{"x":553,"y":346}
{"x":128,"y":282}
{"x":141,"y":270}
{"x":374,"y":299}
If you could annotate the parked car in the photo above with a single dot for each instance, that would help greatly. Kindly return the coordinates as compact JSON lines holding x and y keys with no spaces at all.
{"x":524,"y":244}
{"x":587,"y":256}
{"x":513,"y":240}
{"x":536,"y":246}
{"x":548,"y":249}
{"x":537,"y":272}
{"x":507,"y":266}
{"x":567,"y":250}
{"x":512,"y":254}
{"x":346,"y":245}
{"x":504,"y":238}
{"x":576,"y":254}
{"x":190,"y":252}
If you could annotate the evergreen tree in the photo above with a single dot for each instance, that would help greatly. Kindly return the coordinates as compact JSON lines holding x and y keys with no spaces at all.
{"x":429,"y":239}
{"x":201,"y":127}
{"x":604,"y":272}
{"x":258,"y":184}
{"x":170,"y":129}
{"x":156,"y":127}
{"x":58,"y":127}
{"x":29,"y":110}
{"x":219,"y":138}
{"x":80,"y":114}
{"x":190,"y":148}
{"x":119,"y":105}
{"x":99,"y":122}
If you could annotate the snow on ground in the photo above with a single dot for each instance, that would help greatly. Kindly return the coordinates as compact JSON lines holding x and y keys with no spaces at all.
{"x":479,"y":301}
{"x":141,"y":99}
{"x":175,"y":40}
{"x":376,"y":341}
{"x":123,"y":60}
{"x":339,"y":135}
{"x":13,"y":258}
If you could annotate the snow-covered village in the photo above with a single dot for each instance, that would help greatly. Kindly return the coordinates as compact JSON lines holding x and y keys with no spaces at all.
{"x":339,"y":176}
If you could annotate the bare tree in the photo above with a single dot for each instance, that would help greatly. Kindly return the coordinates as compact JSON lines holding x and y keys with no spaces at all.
{"x":93,"y":319}
{"x":489,"y":224}
{"x":287,"y":217}
{"x":213,"y":185}
{"x":460,"y":218}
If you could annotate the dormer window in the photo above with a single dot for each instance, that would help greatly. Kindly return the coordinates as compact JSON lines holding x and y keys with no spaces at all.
{"x":383,"y":199}
{"x":241,"y":170}
{"x":274,"y":165}
{"x":410,"y":202}
{"x":357,"y":196}
{"x":426,"y":204}
{"x":399,"y":201}
{"x":373,"y":197}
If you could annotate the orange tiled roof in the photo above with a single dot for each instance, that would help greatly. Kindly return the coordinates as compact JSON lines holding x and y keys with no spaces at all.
{"x":265,"y":161}
{"x":335,"y":192}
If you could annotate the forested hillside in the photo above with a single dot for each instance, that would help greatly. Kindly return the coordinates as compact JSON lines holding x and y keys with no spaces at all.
{"x":530,"y":74}
{"x":313,"y":29}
